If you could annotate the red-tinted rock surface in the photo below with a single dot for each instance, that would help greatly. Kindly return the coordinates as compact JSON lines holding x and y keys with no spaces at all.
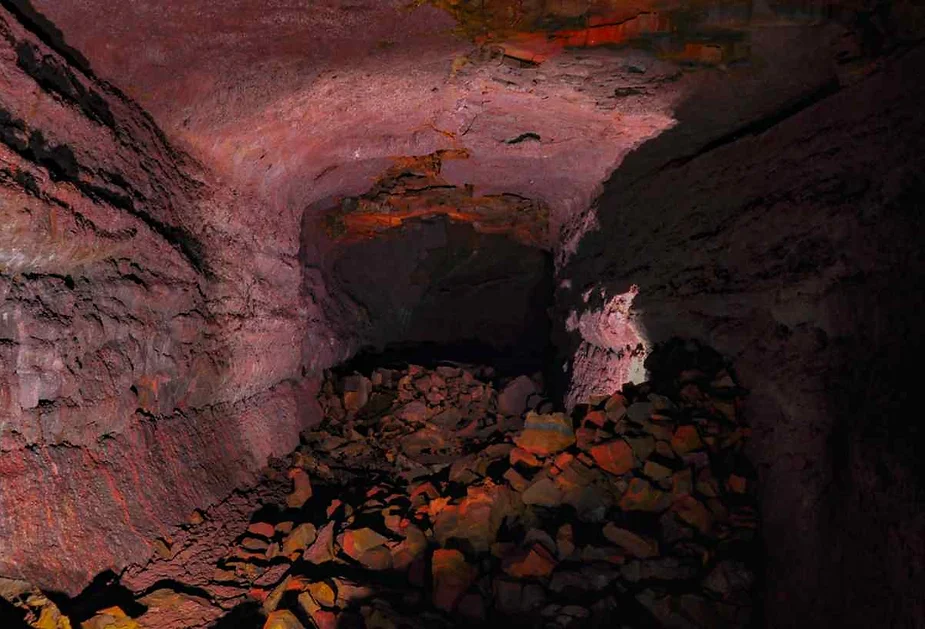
{"x":136,"y":380}
{"x":159,"y":309}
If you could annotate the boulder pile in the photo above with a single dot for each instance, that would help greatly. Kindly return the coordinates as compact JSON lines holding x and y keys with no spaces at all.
{"x":427,"y":498}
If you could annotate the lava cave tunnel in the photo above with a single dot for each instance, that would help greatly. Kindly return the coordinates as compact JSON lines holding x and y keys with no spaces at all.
{"x":452,"y":313}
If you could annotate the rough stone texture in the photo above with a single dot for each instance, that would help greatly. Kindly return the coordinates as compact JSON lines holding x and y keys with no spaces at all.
{"x":795,"y":248}
{"x":140,"y":377}
{"x":396,"y":527}
{"x":158,"y":310}
{"x":260,"y":93}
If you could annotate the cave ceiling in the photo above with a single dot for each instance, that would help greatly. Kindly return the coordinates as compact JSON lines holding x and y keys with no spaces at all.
{"x":300,"y":104}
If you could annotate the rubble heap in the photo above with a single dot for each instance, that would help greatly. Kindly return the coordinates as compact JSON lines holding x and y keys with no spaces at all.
{"x":427,"y":498}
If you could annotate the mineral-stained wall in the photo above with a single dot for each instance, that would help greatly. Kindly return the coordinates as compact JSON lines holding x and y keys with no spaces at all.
{"x":136,"y":376}
{"x":795,"y":246}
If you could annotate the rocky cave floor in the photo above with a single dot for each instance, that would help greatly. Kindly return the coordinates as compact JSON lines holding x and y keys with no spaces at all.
{"x":452,"y":497}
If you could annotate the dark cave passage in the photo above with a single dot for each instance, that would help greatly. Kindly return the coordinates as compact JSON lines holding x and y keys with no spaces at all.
{"x":439,"y":290}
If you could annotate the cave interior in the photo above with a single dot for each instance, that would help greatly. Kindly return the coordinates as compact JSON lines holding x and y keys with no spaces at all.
{"x":452,"y":313}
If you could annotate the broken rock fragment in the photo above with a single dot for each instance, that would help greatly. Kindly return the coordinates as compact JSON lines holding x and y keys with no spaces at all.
{"x":355,"y":542}
{"x":452,"y":576}
{"x":301,"y":488}
{"x":643,"y":496}
{"x":634,"y":544}
{"x":282,"y":619}
{"x":322,"y":593}
{"x":543,"y":493}
{"x":110,"y":618}
{"x":546,"y":434}
{"x":298,"y":540}
{"x":614,"y":456}
{"x":168,"y":608}
{"x":356,"y":392}
{"x":532,"y":562}
{"x":512,"y":400}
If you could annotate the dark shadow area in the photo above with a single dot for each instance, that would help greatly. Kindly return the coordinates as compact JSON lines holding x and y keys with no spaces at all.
{"x":437,"y":291}
{"x":104,"y":591}
{"x":438,"y":283}
{"x":244,"y":616}
{"x":793,"y":243}
{"x":505,"y":362}
{"x":11,"y":616}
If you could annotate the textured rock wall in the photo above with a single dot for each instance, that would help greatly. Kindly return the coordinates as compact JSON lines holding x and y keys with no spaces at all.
{"x":794,"y":246}
{"x":140,"y":377}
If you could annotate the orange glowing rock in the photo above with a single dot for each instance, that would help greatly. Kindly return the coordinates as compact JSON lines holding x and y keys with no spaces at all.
{"x":436,"y":506}
{"x":533,"y":562}
{"x":615,"y":406}
{"x":334,"y":506}
{"x":525,"y":458}
{"x":516,"y":480}
{"x":356,"y":542}
{"x":282,"y":619}
{"x":322,"y":618}
{"x":737,"y":484}
{"x":110,"y":618}
{"x":263,"y":529}
{"x":298,"y":540}
{"x":413,"y":189}
{"x":585,"y":437}
{"x":563,"y":460}
{"x":476,"y":518}
{"x":596,"y":418}
{"x":532,"y":47}
{"x":258,"y":594}
{"x":423,"y":493}
{"x":616,"y":456}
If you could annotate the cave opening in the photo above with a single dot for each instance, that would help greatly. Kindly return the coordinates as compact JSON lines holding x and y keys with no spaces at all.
{"x":439,"y":290}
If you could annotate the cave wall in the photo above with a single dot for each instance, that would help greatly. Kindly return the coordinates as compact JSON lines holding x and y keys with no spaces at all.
{"x":793,"y":245}
{"x":142,"y":374}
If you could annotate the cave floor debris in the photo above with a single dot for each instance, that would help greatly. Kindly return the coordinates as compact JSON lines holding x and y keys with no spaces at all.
{"x":427,"y":498}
